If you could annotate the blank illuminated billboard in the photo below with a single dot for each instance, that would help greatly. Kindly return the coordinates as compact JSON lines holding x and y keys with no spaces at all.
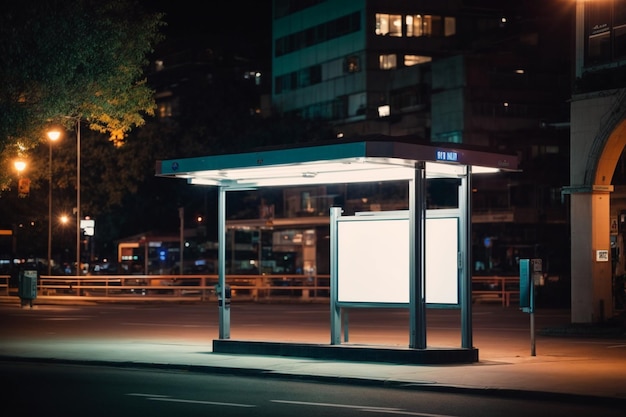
{"x":374,"y":260}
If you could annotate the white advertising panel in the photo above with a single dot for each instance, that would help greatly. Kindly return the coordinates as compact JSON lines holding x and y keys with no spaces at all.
{"x":374,"y":260}
{"x":442,"y":247}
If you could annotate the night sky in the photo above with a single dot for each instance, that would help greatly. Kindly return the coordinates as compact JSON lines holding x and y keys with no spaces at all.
{"x":239,"y":27}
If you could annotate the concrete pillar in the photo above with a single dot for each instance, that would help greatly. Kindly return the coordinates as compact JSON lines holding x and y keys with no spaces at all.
{"x":591,"y":290}
{"x":596,"y":141}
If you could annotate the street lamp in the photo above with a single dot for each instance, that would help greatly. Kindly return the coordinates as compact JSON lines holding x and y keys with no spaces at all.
{"x":78,"y":197}
{"x":64,"y":219}
{"x":23,"y":184}
{"x":19,"y":165}
{"x":53,"y":135}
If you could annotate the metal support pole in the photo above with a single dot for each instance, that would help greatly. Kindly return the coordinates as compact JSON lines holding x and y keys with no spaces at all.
{"x":335,"y":311}
{"x":49,"y":207}
{"x":465,"y":203}
{"x":181,"y":217}
{"x":78,"y":265}
{"x":533,"y":351}
{"x":223,"y":306}
{"x":417,"y":216}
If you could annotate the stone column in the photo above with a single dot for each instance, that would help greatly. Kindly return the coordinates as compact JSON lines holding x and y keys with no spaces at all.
{"x":591,"y":271}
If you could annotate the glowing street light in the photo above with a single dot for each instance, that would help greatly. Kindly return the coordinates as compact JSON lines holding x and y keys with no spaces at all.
{"x":19,"y":165}
{"x":23,"y":184}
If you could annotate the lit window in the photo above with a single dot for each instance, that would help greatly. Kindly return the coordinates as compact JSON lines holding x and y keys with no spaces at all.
{"x":427,"y":25}
{"x":382,"y":24}
{"x":449,"y":26}
{"x":396,"y":25}
{"x":414,"y":25}
{"x":352,"y":64}
{"x":388,"y":24}
{"x":164,"y":109}
{"x":388,"y":61}
{"x":552,"y":149}
{"x":410,"y":60}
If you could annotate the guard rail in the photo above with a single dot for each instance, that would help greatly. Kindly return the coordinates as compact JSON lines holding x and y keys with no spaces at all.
{"x":500,"y":289}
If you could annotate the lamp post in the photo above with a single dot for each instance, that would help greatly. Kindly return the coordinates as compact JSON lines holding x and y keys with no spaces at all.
{"x":78,"y":197}
{"x":181,"y":216}
{"x":20,"y":166}
{"x":53,"y":135}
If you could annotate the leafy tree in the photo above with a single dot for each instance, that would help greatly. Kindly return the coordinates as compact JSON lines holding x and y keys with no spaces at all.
{"x":67,"y":60}
{"x":99,"y":79}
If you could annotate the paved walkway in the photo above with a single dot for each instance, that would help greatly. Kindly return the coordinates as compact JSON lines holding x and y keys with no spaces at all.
{"x":587,"y":368}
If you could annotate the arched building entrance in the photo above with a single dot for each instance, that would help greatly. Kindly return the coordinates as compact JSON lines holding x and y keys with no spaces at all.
{"x":597,"y":141}
{"x":598,"y":137}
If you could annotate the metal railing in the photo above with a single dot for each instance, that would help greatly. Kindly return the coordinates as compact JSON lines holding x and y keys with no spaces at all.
{"x":4,"y":284}
{"x":254,"y":287}
{"x":498,"y":289}
{"x":495,"y":288}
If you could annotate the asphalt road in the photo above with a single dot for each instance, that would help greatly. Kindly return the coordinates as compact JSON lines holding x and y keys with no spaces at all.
{"x":72,"y":390}
{"x":181,"y":336}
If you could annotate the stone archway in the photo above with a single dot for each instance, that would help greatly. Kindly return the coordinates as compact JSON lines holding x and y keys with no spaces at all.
{"x":613,"y":147}
{"x":597,"y":138}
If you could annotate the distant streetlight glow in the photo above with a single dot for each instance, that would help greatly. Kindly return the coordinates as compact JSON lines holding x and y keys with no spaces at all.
{"x":19,"y":165}
{"x":53,"y":135}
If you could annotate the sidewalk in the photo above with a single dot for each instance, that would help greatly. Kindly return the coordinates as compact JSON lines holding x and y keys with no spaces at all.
{"x":593,"y":370}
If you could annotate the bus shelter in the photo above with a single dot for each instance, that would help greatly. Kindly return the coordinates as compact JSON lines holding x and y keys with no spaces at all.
{"x":424,"y":254}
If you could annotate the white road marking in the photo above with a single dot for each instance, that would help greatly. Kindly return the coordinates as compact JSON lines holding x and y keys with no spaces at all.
{"x":366,"y":408}
{"x":73,"y":318}
{"x":180,"y":400}
{"x":158,"y":397}
{"x":162,"y":325}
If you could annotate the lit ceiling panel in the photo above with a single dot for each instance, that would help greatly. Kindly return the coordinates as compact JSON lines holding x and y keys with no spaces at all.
{"x":341,"y":162}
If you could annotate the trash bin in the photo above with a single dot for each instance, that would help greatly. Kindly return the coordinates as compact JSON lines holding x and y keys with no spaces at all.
{"x":27,"y":286}
{"x":227,"y":296}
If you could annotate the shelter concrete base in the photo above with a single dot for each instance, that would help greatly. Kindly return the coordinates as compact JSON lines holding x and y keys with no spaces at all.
{"x":348,"y":352}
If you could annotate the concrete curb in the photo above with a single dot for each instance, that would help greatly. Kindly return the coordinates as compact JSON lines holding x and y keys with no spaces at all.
{"x":382,"y":383}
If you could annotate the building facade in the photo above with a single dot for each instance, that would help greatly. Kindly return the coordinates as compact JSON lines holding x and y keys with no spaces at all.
{"x":598,"y":137}
{"x":475,"y":73}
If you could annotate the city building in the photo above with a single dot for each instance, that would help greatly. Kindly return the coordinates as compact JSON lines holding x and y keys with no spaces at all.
{"x":473,"y":73}
{"x":598,"y":136}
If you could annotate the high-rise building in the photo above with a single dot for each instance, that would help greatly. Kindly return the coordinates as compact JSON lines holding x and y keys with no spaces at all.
{"x":362,"y":65}
{"x":482,"y":73}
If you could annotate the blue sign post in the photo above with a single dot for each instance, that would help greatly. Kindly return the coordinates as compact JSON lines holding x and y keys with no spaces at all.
{"x":526,"y":290}
{"x":530,"y":272}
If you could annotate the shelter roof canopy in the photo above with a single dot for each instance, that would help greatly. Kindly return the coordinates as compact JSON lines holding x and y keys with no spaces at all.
{"x":337,"y":162}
